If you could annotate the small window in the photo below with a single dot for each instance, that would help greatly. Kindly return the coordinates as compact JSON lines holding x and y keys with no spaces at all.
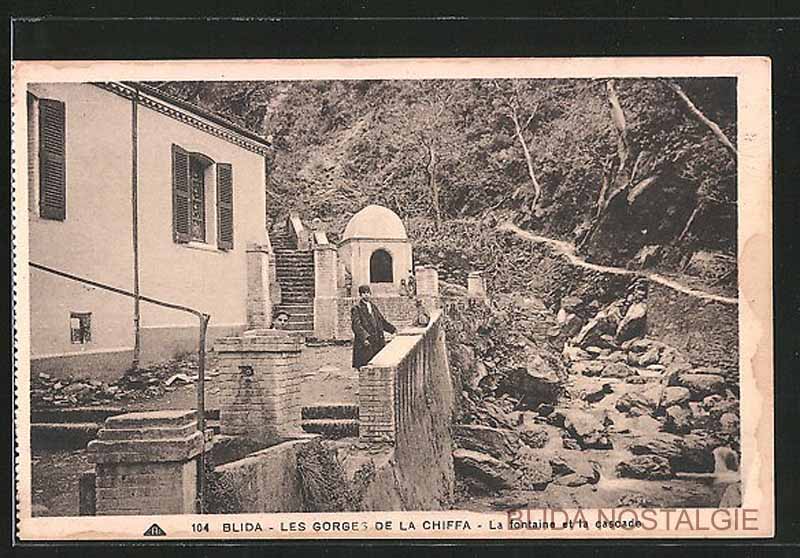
{"x":380,"y":267}
{"x":80,"y":326}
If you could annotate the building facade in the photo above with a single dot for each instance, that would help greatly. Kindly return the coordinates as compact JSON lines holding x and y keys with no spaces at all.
{"x":127,"y":186}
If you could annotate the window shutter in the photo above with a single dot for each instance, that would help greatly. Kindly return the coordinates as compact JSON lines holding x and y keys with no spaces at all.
{"x":52,"y":161}
{"x":180,"y":195}
{"x":224,"y":206}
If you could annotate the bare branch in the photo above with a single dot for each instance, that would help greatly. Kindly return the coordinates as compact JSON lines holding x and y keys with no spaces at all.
{"x":698,"y":114}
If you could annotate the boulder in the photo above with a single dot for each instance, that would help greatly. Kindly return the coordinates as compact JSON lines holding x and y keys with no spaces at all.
{"x":573,"y":353}
{"x":678,"y":420}
{"x":618,"y":370}
{"x":488,"y":471}
{"x":702,"y":385}
{"x":534,"y":472}
{"x":571,"y":304}
{"x":732,"y":497}
{"x":638,"y":403}
{"x":716,"y":405}
{"x":598,"y":395}
{"x":729,"y":423}
{"x":650,"y":356}
{"x":634,"y":324}
{"x":615,"y":356}
{"x":590,"y":368}
{"x":647,"y":467}
{"x":497,"y":442}
{"x":545,"y":409}
{"x":572,"y":325}
{"x":533,"y":387}
{"x":535,"y":436}
{"x":674,"y":395}
{"x":574,"y":470}
{"x":587,"y":430}
{"x":674,"y":361}
{"x":691,"y":453}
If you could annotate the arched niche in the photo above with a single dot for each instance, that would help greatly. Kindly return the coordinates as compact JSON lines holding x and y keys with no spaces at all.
{"x":380,"y":267}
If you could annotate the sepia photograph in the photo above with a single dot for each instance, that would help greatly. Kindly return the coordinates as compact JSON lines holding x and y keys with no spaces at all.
{"x":488,"y":295}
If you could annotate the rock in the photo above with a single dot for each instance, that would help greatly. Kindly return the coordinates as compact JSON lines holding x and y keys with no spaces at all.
{"x":576,"y":467}
{"x":490,"y":472}
{"x":572,"y":325}
{"x":650,"y":356}
{"x":533,"y":387}
{"x":607,"y":342}
{"x":572,"y":480}
{"x":590,"y":332}
{"x":729,"y":423}
{"x":598,"y":395}
{"x":647,"y":467}
{"x":590,"y":368}
{"x":636,"y":380}
{"x":634,"y":324}
{"x":535,"y":436}
{"x":674,"y":360}
{"x":587,"y":430}
{"x":618,"y":370}
{"x":499,"y":443}
{"x":635,"y":404}
{"x":573,"y":353}
{"x":561,"y":316}
{"x":716,"y":406}
{"x":661,"y":444}
{"x":183,"y":378}
{"x":678,"y":420}
{"x":634,"y":501}
{"x":571,"y":304}
{"x":732,"y":497}
{"x":656,"y":367}
{"x":702,"y":385}
{"x":535,"y":472}
{"x":594,"y":351}
{"x":674,"y":396}
{"x":615,"y":356}
{"x":545,"y":409}
{"x":570,"y":444}
{"x":725,"y":461}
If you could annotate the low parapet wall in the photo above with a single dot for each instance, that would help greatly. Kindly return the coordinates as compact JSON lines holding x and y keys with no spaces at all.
{"x":406,"y":400}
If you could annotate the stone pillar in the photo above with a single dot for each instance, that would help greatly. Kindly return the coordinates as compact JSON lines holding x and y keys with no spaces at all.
{"x":376,"y":412}
{"x":476,"y":285}
{"x":259,"y":379}
{"x":260,"y":271}
{"x":326,"y":268}
{"x":146,"y":463}
{"x":427,"y":278}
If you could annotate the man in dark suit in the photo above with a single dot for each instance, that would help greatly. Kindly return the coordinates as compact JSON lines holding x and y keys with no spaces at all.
{"x":368,"y":326}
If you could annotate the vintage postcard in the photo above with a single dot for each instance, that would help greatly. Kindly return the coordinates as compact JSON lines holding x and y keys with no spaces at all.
{"x":408,"y":298}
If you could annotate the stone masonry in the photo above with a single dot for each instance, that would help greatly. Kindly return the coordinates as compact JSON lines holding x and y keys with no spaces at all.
{"x":326,"y":268}
{"x":259,"y":383}
{"x":260,"y":293}
{"x":146,"y":463}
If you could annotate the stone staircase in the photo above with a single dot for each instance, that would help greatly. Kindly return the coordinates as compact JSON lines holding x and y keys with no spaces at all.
{"x":295,"y":273}
{"x":332,"y":420}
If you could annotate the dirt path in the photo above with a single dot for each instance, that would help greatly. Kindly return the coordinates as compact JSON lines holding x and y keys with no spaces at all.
{"x":568,"y":250}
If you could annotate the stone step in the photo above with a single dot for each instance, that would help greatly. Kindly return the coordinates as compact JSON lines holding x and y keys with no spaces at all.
{"x":331,"y":428}
{"x":334,"y":411}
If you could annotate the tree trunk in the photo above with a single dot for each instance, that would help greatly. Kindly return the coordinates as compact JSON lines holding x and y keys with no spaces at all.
{"x":537,"y":189}
{"x":434,"y":187}
{"x":698,"y":114}
{"x":689,"y":222}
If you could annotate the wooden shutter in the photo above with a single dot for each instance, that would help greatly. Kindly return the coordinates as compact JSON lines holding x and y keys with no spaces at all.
{"x":224,"y":206}
{"x":181,"y":225}
{"x":52,"y":161}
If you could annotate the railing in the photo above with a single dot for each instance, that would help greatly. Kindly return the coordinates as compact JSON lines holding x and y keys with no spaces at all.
{"x":405,"y":392}
{"x":298,"y":234}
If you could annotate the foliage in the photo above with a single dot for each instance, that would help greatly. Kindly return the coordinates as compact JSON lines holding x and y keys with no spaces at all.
{"x":339,"y":145}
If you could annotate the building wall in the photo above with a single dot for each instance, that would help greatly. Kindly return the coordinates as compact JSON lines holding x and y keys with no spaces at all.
{"x":196,"y":275}
{"x":95,"y":240}
{"x":356,"y":254}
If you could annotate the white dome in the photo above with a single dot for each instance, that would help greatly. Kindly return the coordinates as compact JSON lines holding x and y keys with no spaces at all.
{"x":375,"y":221}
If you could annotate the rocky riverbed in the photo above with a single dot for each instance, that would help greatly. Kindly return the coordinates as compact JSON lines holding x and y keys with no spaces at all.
{"x":576,"y":406}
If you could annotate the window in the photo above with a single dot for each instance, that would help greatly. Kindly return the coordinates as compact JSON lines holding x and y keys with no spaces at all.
{"x":47,"y":146}
{"x":80,"y":326}
{"x":192,"y":206}
{"x":380,"y":267}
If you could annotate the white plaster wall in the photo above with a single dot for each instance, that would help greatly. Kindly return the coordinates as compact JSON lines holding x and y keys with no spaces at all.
{"x":198,"y":276}
{"x":95,"y":239}
{"x":357,"y":253}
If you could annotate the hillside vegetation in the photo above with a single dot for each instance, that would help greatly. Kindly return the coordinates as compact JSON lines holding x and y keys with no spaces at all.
{"x":632,"y":171}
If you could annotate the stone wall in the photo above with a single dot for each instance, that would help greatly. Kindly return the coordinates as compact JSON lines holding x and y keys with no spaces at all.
{"x":399,"y":310}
